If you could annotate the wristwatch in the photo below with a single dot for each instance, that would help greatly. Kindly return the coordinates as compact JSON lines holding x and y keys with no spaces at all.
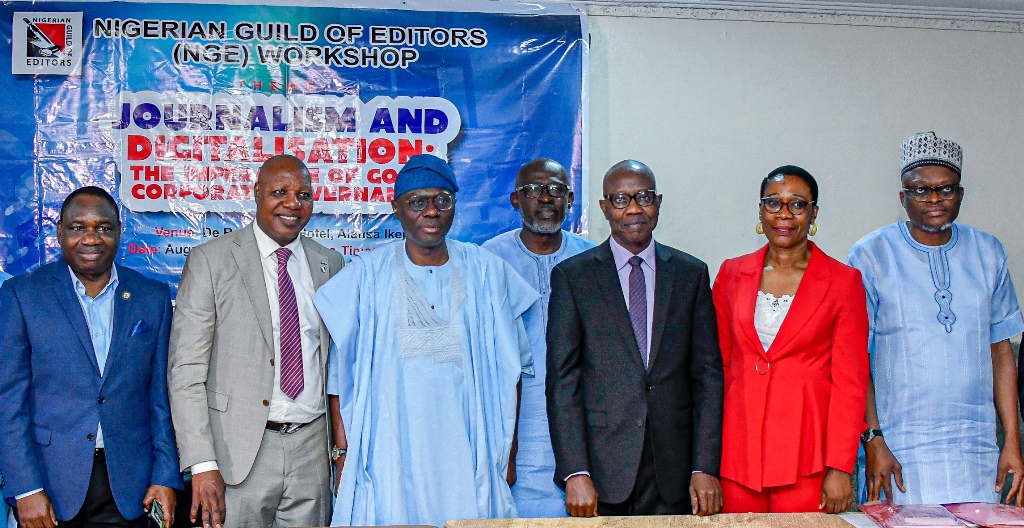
{"x":869,"y":435}
{"x":338,"y":452}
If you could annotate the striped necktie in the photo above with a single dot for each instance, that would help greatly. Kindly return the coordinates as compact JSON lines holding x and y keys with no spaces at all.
{"x":291,"y":342}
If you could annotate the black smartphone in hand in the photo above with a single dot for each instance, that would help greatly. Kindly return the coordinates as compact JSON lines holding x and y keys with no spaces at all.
{"x":156,"y":514}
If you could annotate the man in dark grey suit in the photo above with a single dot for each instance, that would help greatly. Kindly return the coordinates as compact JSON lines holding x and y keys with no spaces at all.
{"x":634,"y":372}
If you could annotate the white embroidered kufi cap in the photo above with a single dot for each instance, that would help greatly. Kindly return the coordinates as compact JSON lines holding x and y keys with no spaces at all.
{"x":925,"y":148}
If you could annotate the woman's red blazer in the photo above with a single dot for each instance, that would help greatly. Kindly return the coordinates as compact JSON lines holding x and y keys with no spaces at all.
{"x":799,"y":407}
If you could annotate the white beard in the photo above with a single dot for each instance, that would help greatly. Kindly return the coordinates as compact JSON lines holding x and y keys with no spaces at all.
{"x":938,"y":229}
{"x":542,"y":229}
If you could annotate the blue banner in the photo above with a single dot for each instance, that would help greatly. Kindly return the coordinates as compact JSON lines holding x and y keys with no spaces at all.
{"x":173,"y":107}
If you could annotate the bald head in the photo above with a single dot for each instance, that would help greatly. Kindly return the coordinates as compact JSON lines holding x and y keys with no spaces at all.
{"x":541,"y":166}
{"x":631,"y":204}
{"x":627,"y":167}
{"x":283,"y":163}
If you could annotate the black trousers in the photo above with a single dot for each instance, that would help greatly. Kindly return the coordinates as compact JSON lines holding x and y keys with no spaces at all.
{"x":99,"y":509}
{"x":645,"y":498}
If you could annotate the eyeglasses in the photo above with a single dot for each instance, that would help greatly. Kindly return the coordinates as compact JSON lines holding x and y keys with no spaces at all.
{"x":533,"y":190}
{"x":796,"y":207}
{"x":923,"y":193}
{"x":620,"y":200}
{"x":442,"y":202}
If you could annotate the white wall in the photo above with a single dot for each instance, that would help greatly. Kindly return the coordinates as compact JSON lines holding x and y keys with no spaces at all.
{"x":713,"y":105}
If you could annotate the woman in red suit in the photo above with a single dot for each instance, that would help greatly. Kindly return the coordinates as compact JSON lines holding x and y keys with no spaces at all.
{"x":793,"y":327}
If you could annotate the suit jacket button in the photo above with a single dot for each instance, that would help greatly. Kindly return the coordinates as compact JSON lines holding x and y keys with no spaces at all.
{"x":647,"y":387}
{"x":640,"y":422}
{"x":266,"y":403}
{"x":101,"y":400}
{"x":90,"y":436}
{"x":271,"y":362}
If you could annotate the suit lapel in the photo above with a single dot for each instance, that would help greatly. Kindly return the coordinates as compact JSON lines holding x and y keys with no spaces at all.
{"x":317,"y":262}
{"x":610,"y":294}
{"x":664,"y":280}
{"x":250,"y":268}
{"x":750,"y":284}
{"x":812,"y":291}
{"x":124,"y":321}
{"x":65,"y":294}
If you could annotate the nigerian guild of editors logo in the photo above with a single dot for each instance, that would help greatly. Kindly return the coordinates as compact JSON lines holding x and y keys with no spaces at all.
{"x":47,"y":43}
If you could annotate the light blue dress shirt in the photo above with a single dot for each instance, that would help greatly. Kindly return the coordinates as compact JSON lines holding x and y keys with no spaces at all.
{"x":99,"y":315}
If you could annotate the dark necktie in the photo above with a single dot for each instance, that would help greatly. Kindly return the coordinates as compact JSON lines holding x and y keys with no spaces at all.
{"x":638,"y":305}
{"x":292,"y":380}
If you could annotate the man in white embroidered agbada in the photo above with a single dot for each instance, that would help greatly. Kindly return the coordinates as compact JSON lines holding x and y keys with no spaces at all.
{"x":429,"y":344}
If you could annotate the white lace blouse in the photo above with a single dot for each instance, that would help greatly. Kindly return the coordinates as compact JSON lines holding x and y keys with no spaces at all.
{"x":769,"y":313}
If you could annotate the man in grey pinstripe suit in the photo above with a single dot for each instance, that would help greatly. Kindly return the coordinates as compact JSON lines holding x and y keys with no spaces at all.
{"x":248,"y":409}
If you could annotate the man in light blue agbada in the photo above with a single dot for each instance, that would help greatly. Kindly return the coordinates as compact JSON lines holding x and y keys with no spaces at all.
{"x":429,"y":345}
{"x":542,"y":196}
{"x":942,"y":308}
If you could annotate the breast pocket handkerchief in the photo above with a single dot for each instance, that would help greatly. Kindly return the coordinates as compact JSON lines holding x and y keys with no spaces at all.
{"x":140,"y":328}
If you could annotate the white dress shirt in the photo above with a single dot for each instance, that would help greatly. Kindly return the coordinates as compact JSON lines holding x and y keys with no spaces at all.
{"x":622,"y":266}
{"x":310,"y":404}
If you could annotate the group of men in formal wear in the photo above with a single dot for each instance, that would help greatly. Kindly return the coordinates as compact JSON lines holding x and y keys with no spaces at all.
{"x":429,"y":379}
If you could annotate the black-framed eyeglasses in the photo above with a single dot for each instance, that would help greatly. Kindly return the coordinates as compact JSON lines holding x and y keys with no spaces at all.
{"x":442,"y":202}
{"x":923,"y":193}
{"x":620,"y":200}
{"x":533,"y":190}
{"x":796,"y":207}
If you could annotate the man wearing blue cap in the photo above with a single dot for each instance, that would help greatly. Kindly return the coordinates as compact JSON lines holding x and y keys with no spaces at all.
{"x":429,"y":344}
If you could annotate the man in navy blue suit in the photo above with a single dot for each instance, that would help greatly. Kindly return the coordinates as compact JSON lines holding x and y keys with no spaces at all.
{"x":85,"y":425}
{"x":5,"y":517}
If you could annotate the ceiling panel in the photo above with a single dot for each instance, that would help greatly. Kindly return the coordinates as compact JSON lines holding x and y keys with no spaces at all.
{"x":984,"y":10}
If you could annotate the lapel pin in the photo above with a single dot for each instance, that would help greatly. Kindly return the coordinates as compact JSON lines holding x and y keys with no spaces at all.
{"x":323,"y":267}
{"x":126,"y":295}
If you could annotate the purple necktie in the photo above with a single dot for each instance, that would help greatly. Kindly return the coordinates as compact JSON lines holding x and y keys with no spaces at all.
{"x":638,"y":305}
{"x":291,"y":342}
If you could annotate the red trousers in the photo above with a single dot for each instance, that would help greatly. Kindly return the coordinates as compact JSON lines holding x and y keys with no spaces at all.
{"x":802,"y":496}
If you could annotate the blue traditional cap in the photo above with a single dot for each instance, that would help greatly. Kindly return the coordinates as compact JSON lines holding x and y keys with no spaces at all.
{"x":925,"y":148}
{"x":425,"y":171}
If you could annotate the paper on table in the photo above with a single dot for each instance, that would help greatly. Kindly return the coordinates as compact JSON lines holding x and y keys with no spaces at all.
{"x":888,"y":515}
{"x":985,"y":514}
